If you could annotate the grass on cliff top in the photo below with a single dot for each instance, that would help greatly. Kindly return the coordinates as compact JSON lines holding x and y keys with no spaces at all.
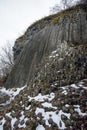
{"x":53,"y":18}
{"x":61,"y":13}
{"x":20,"y":39}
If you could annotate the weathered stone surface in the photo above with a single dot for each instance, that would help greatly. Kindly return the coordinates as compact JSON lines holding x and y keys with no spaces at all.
{"x":3,"y":97}
{"x":69,"y":32}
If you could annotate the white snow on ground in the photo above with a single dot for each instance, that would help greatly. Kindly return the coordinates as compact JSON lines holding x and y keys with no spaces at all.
{"x":53,"y":52}
{"x":57,"y":55}
{"x":17,"y":91}
{"x":22,"y":115}
{"x":11,"y":92}
{"x":77,"y":109}
{"x":65,"y":92}
{"x":74,"y":86}
{"x":13,"y":120}
{"x":6,"y":103}
{"x":67,"y":105}
{"x":24,"y":124}
{"x":50,"y":56}
{"x":21,"y":119}
{"x":64,"y":87}
{"x":81,"y":84}
{"x":85,"y":88}
{"x":27,"y":108}
{"x":40,"y":127}
{"x":42,"y":98}
{"x":2,"y":122}
{"x":48,"y":105}
{"x":56,"y":117}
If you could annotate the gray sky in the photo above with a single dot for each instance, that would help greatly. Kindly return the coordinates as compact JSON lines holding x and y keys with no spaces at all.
{"x":17,"y":15}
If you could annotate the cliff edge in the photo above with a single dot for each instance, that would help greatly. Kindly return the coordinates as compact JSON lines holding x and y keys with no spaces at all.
{"x":57,"y":45}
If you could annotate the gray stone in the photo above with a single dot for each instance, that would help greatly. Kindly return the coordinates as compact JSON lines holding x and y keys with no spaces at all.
{"x":3,"y":97}
{"x":68,"y":36}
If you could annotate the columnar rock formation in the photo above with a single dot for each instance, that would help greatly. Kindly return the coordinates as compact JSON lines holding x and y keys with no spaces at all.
{"x":65,"y":32}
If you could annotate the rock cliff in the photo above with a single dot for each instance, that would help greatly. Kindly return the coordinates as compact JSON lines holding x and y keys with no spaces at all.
{"x":51,"y":57}
{"x":59,"y":41}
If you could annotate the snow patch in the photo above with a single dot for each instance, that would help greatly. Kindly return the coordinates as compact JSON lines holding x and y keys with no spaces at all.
{"x":53,"y":52}
{"x":13,"y":120}
{"x":48,"y":105}
{"x":67,"y":105}
{"x":84,"y":88}
{"x":65,"y":92}
{"x":74,"y":86}
{"x":11,"y":93}
{"x":77,"y":109}
{"x":22,"y":116}
{"x":2,"y":122}
{"x":42,"y":98}
{"x":22,"y":126}
{"x":27,"y":108}
{"x":40,"y":127}
{"x":54,"y":116}
{"x":21,"y":119}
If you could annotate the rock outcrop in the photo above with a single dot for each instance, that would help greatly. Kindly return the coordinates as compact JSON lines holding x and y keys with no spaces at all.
{"x":65,"y":32}
{"x":51,"y":57}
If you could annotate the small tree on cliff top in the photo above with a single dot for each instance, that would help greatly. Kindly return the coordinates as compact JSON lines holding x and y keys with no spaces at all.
{"x":83,"y":2}
{"x":64,"y":4}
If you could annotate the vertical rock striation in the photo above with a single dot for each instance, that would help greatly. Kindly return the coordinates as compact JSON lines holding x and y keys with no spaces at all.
{"x":47,"y":35}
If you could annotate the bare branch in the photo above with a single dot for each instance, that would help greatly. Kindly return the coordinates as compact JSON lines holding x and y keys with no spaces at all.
{"x":64,"y":4}
{"x":6,"y":60}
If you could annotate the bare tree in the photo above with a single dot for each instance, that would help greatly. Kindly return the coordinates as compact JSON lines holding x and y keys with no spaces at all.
{"x":6,"y":60}
{"x":56,"y":8}
{"x":83,"y":2}
{"x":64,"y":4}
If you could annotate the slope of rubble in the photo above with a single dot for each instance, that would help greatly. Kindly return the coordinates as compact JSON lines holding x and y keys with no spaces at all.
{"x":64,"y":109}
{"x":53,"y":64}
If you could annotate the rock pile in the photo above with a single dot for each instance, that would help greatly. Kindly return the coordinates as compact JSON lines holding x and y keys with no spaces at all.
{"x":64,"y":109}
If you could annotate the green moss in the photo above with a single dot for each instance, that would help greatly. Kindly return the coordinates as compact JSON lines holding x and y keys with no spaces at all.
{"x":21,"y":39}
{"x":45,"y":85}
{"x":55,"y":20}
{"x":56,"y":16}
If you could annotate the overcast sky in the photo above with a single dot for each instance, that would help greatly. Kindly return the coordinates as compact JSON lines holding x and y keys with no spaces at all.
{"x":17,"y":15}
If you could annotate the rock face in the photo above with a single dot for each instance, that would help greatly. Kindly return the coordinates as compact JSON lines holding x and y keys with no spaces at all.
{"x":65,"y":32}
{"x":3,"y":97}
